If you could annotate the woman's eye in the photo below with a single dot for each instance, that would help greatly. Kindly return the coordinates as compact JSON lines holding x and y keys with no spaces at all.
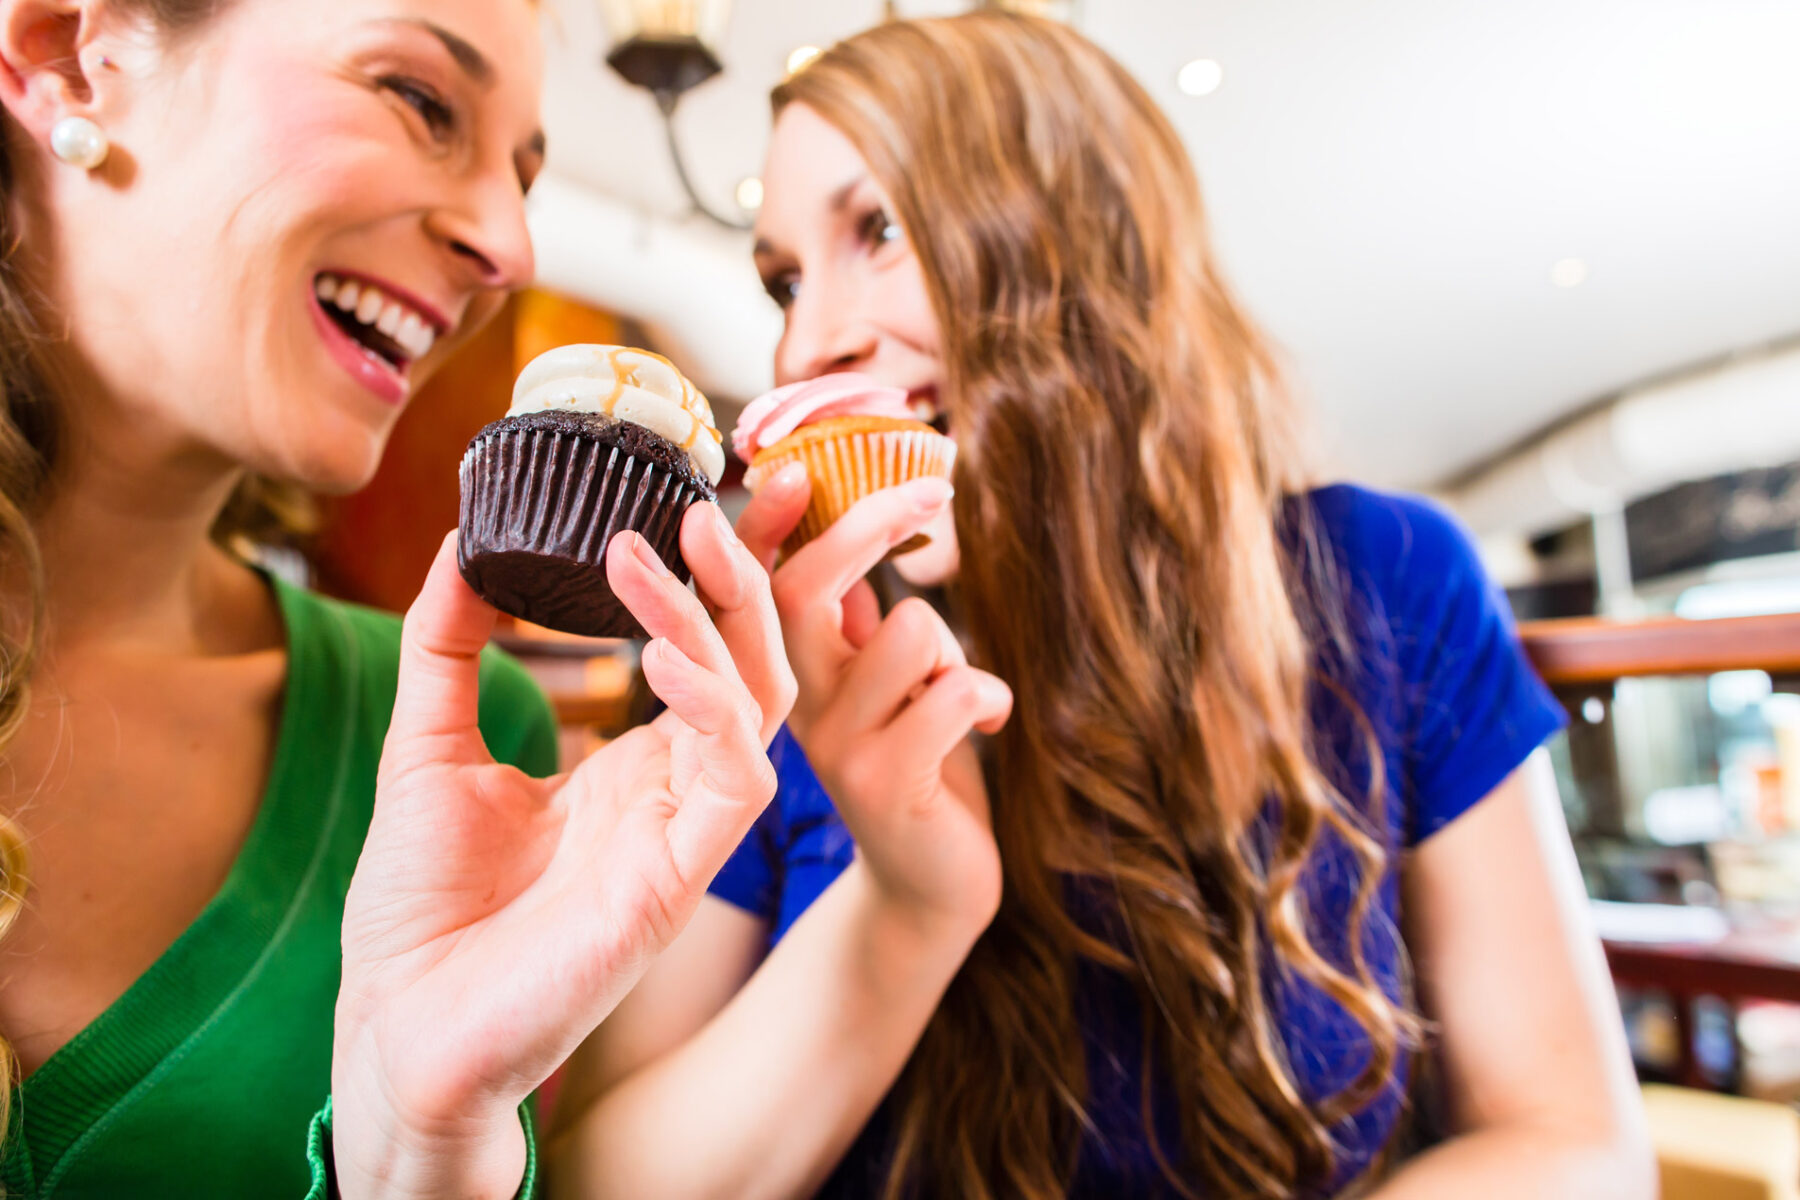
{"x":878,"y":229}
{"x":782,"y":289}
{"x":438,"y":116}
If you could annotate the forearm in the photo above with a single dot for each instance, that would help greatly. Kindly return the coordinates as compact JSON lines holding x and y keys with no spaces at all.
{"x":1535,"y":1071}
{"x":765,"y":1099}
{"x":1504,"y":1163}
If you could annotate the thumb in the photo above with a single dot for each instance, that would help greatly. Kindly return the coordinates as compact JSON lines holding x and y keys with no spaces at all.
{"x":773,"y":512}
{"x":436,"y":703}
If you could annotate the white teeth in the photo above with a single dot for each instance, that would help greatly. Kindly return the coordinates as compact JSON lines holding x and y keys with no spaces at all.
{"x":371,"y":306}
{"x":410,"y":331}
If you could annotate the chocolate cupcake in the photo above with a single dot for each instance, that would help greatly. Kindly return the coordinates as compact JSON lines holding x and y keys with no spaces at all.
{"x":599,"y":439}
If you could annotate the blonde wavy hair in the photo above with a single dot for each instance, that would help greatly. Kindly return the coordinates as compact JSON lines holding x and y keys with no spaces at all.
{"x":1126,"y":443}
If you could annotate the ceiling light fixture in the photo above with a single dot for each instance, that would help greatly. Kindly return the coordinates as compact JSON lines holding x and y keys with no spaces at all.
{"x":666,"y":47}
{"x":1201,"y":77}
{"x":1569,"y":272}
{"x":800,"y":56}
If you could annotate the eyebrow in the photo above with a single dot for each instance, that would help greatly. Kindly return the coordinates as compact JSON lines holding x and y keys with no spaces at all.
{"x":473,"y":62}
{"x":837,"y":202}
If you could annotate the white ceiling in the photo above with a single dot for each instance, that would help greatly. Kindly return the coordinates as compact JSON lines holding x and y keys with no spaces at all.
{"x":1390,"y":183}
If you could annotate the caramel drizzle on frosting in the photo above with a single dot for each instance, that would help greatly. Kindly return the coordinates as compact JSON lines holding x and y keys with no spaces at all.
{"x":611,"y":380}
{"x":699,"y":412}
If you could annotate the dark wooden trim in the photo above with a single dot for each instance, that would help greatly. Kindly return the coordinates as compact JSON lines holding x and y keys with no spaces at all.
{"x":1592,"y":650}
{"x":1686,"y":973}
{"x":1704,"y":971}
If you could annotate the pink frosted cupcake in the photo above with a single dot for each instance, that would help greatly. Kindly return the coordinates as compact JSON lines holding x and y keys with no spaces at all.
{"x":854,"y":436}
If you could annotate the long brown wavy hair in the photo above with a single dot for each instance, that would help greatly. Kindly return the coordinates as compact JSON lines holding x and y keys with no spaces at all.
{"x":28,"y":439}
{"x":1126,"y":446}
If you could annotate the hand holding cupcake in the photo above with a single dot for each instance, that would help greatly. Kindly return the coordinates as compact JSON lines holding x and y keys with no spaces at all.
{"x":599,"y":439}
{"x":854,"y":436}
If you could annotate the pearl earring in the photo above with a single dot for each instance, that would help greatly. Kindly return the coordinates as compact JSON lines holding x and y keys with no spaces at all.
{"x":79,"y":142}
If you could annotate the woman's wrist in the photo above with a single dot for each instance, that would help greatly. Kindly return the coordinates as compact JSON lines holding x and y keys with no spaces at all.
{"x":958,"y":897}
{"x":383,"y":1150}
{"x":914,"y":925}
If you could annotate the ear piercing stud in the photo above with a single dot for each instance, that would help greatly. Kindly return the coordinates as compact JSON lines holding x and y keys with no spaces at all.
{"x":79,"y":142}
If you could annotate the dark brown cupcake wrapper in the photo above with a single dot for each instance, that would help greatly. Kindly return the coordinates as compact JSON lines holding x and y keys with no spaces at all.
{"x":540,"y":506}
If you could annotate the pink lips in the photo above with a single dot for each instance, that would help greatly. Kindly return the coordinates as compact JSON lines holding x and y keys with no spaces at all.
{"x":775,"y":415}
{"x":367,"y":368}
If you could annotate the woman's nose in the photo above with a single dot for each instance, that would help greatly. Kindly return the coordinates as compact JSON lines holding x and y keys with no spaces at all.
{"x":489,"y":238}
{"x":823,"y":335}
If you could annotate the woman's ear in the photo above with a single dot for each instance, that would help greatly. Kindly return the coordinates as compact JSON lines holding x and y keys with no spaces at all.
{"x":49,"y":54}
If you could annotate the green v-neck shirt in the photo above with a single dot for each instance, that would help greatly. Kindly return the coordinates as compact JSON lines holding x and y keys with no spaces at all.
{"x":202,"y":1079}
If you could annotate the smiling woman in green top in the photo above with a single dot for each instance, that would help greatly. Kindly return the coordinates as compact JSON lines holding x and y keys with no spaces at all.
{"x":233,"y":886}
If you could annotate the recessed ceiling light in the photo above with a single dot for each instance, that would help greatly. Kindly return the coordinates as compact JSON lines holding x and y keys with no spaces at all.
{"x":749,"y":193}
{"x":800,"y":56}
{"x":1201,"y":77}
{"x":1569,"y":272}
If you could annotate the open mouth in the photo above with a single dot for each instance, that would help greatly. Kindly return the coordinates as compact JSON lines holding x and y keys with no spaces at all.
{"x":386,"y":327}
{"x":923,"y":403}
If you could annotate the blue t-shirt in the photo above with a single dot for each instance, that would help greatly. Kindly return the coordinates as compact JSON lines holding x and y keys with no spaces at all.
{"x":1429,"y":655}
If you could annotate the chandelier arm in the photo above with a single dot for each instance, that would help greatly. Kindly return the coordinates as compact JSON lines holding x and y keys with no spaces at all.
{"x":665,"y":103}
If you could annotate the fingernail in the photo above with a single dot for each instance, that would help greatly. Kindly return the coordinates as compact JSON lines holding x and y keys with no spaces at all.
{"x":789,"y":477}
{"x":672,"y":655}
{"x":929,"y":499}
{"x":647,"y":555}
{"x":724,"y":524}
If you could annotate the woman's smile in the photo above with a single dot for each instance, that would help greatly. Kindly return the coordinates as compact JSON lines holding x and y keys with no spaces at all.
{"x":925,"y":406}
{"x":375,"y":330}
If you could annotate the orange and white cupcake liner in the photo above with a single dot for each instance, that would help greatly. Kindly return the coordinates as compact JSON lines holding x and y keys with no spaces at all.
{"x":848,"y":458}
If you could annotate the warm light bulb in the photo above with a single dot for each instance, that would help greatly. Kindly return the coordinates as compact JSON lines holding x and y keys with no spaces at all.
{"x":1569,"y":272}
{"x":750,"y":193}
{"x":1201,"y":77}
{"x":800,"y":57}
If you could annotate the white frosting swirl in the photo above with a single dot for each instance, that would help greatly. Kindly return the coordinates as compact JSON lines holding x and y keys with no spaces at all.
{"x":629,"y":384}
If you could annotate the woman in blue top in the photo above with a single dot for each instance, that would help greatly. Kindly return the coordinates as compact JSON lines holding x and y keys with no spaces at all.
{"x":1258,"y":839}
{"x":257,"y":847}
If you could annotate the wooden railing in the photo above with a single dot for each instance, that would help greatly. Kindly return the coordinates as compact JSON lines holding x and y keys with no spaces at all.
{"x":1583,"y":651}
{"x":1755,"y":960}
{"x":1588,"y":650}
